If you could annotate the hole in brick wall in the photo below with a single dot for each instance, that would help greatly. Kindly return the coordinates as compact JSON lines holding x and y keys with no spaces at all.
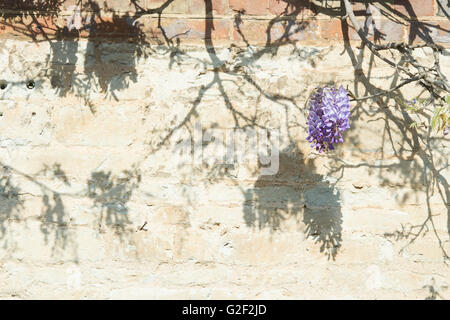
{"x":30,"y":84}
{"x":33,"y":113}
{"x":3,"y":85}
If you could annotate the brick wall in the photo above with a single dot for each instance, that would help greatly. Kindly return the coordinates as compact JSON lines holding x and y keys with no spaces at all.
{"x":100,"y":196}
{"x":258,"y":22}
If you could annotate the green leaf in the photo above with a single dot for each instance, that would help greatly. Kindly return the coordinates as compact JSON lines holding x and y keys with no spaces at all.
{"x":413,"y":125}
{"x":433,"y":122}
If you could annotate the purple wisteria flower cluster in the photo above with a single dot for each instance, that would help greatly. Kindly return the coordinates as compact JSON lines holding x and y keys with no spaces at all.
{"x":328,"y":117}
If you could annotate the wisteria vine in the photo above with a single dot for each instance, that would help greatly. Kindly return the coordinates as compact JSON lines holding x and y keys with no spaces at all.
{"x":328,"y":118}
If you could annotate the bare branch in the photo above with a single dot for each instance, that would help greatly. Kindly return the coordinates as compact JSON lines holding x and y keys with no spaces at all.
{"x":387,"y":91}
{"x":431,"y":79}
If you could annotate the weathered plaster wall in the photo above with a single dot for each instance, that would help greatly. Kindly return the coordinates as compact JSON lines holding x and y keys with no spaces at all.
{"x":99,"y":201}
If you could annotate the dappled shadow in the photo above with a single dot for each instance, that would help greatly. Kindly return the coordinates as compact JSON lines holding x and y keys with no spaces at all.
{"x":111,"y":194}
{"x":64,"y":60}
{"x":417,"y":30}
{"x":103,"y":71}
{"x":434,"y":291}
{"x":283,"y":30}
{"x":296,"y":193}
{"x":318,"y":209}
{"x":323,"y":224}
{"x":419,"y":155}
{"x":11,"y":203}
{"x":53,"y":219}
{"x":55,"y":224}
{"x":26,"y":8}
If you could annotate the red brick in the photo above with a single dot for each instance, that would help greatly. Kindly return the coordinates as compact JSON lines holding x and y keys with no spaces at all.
{"x":337,"y":30}
{"x":29,"y":5}
{"x":291,"y":30}
{"x":5,"y":29}
{"x":363,"y":8}
{"x":386,"y":30}
{"x":173,"y":7}
{"x":289,"y":7}
{"x":193,"y":29}
{"x":288,"y":30}
{"x":114,"y":6}
{"x":27,"y":27}
{"x":442,"y":34}
{"x":254,"y":31}
{"x":198,"y":7}
{"x":252,"y":7}
{"x":45,"y":25}
{"x":278,"y":6}
{"x":115,"y":27}
{"x":220,"y":29}
{"x":415,"y":8}
{"x":418,"y":32}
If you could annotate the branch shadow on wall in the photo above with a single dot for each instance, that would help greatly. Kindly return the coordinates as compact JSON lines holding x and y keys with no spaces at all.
{"x":108,"y":66}
{"x":296,"y":194}
{"x":54,"y":221}
{"x":113,"y":75}
{"x":416,"y":154}
{"x":268,"y":204}
{"x":10,"y":205}
{"x":109,"y":194}
{"x":99,"y":69}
